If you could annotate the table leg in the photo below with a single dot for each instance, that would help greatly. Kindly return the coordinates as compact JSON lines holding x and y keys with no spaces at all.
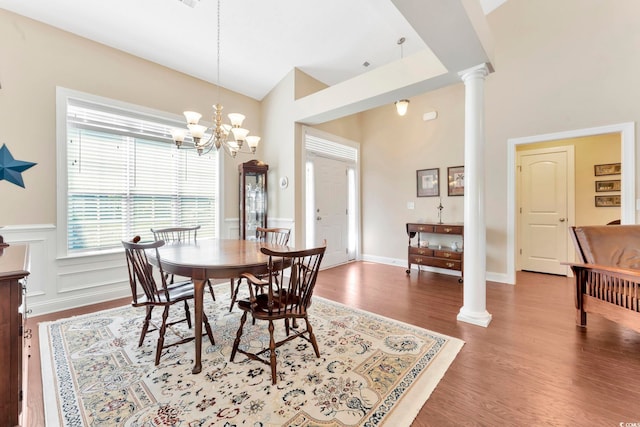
{"x":198,"y":288}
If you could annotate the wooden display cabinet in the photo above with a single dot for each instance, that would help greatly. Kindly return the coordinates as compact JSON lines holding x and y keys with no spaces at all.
{"x":14,"y":268}
{"x":436,"y":255}
{"x":253,"y":197}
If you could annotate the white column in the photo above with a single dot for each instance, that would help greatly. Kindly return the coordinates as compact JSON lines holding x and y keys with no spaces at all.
{"x":475,"y":242}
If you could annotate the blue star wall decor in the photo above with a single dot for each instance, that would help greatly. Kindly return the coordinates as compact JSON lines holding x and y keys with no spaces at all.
{"x":10,"y":168}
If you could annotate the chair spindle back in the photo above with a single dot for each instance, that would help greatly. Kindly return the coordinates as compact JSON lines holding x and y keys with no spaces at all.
{"x":292,"y":280}
{"x":141,"y":271}
{"x":176,"y":234}
{"x":276,"y":236}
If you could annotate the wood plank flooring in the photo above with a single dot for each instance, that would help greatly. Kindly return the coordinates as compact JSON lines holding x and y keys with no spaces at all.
{"x":531,"y":366}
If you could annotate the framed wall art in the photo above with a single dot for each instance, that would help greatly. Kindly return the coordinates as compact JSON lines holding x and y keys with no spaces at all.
{"x":428,"y":182}
{"x":608,"y":201}
{"x":456,"y":180}
{"x":607,"y":169}
{"x":610,"y":185}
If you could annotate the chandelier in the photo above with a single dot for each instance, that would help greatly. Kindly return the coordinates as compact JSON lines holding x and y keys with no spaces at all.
{"x":231,"y":137}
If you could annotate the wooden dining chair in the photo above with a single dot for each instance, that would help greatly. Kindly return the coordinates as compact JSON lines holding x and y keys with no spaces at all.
{"x":177,"y":235}
{"x":289,"y":299}
{"x":276,"y":236}
{"x":155,"y":294}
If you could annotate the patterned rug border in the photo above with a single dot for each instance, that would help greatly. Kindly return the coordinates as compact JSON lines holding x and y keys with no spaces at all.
{"x":406,"y":410}
{"x":402,"y":413}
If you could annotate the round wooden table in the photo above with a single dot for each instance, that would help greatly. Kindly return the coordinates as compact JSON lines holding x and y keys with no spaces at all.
{"x":212,"y":259}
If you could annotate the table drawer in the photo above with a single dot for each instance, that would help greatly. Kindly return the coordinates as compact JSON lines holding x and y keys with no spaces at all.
{"x":444,"y":263}
{"x":436,"y":262}
{"x":414,"y":250}
{"x":448,"y":254}
{"x":417,"y":259}
{"x":448,"y":229}
{"x":423,"y":228}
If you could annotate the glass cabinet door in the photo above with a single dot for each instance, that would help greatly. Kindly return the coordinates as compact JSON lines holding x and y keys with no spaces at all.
{"x":253,"y":198}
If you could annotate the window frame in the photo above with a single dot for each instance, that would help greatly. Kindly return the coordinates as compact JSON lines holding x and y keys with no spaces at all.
{"x":62,"y":98}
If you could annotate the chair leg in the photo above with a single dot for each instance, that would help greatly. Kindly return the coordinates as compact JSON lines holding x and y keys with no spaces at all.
{"x":211,"y":289}
{"x":163,"y":329}
{"x":272,"y":351}
{"x":312,"y":337}
{"x":236,"y":343}
{"x":145,"y":325}
{"x":234,"y":293}
{"x":187,"y":313}
{"x":207,"y":327}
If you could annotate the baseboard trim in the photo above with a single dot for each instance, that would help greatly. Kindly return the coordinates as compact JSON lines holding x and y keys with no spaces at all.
{"x":493,"y":277}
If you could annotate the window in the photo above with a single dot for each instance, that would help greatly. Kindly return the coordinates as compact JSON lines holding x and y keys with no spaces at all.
{"x":124,"y":175}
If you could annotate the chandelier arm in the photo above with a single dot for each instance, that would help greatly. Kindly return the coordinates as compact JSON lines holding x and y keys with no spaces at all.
{"x":208,"y":150}
{"x":210,"y":140}
{"x":228,"y":150}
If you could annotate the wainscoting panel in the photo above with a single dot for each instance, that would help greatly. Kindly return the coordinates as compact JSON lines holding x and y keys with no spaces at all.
{"x":40,"y":239}
{"x":57,"y":284}
{"x":60,"y":284}
{"x":83,"y":274}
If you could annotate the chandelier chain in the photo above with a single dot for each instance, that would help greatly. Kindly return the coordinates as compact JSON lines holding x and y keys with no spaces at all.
{"x":230,"y":137}
{"x":218,"y":56}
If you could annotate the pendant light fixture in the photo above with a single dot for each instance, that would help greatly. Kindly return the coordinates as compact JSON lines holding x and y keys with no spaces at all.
{"x":403,"y":104}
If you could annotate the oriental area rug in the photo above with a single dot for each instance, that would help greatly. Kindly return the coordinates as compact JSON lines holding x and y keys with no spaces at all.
{"x":371,"y":371}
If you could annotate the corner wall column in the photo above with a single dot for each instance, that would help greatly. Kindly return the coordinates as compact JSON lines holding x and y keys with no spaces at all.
{"x":475,"y":239}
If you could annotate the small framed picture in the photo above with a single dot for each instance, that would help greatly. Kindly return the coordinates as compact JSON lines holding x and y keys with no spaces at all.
{"x":607,"y":169}
{"x":608,"y":201}
{"x":610,"y":185}
{"x":428,"y":182}
{"x":456,"y":180}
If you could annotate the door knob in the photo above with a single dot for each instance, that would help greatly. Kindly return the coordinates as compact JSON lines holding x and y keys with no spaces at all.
{"x":562,"y":219}
{"x":318,"y":218}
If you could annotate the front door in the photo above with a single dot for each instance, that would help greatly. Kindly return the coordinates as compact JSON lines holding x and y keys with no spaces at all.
{"x":331,"y":204}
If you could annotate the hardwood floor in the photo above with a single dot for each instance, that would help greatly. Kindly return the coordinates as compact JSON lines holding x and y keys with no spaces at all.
{"x":531,"y":366}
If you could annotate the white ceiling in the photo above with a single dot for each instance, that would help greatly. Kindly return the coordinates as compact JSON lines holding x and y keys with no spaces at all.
{"x":260,"y":40}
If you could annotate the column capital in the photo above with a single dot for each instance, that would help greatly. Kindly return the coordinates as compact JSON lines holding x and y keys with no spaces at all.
{"x":480,"y":70}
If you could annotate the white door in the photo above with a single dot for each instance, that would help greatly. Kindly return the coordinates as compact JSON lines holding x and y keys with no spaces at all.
{"x":543,"y":207}
{"x":331,"y":204}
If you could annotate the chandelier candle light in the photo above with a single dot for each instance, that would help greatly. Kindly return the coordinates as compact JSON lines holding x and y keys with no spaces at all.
{"x":231,"y":137}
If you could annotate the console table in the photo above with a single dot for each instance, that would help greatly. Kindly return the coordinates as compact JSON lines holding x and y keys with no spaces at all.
{"x":441,"y":255}
{"x":14,"y":268}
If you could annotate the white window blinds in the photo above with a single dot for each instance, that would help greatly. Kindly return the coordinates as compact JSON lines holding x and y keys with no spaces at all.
{"x":124,"y":177}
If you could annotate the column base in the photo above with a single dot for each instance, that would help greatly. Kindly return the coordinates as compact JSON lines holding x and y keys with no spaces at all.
{"x":475,"y":318}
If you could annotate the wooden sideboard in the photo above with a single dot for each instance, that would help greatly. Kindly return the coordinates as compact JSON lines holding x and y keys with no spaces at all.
{"x":441,"y":254}
{"x":14,"y":268}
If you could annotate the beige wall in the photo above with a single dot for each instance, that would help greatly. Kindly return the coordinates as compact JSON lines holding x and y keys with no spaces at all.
{"x":559,"y":66}
{"x":284,"y":150}
{"x":36,"y":58}
{"x":279,"y":153}
{"x":393,"y":149}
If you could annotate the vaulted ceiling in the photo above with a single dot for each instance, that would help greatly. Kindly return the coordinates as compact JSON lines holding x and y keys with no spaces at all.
{"x":262,"y":40}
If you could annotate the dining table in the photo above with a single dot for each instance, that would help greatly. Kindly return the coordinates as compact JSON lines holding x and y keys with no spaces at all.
{"x":211,"y":259}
